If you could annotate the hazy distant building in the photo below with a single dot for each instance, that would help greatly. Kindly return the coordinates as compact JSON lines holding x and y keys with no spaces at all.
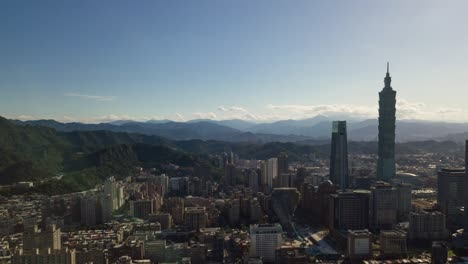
{"x":339,"y":172}
{"x":269,"y":175}
{"x":349,"y":210}
{"x":230,"y":175}
{"x":272,"y":172}
{"x":264,"y":240}
{"x":450,"y":190}
{"x":386,"y":150}
{"x":253,"y":179}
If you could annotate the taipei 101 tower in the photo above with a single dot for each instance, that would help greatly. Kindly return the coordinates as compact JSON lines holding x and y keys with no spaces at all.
{"x":387,"y":102}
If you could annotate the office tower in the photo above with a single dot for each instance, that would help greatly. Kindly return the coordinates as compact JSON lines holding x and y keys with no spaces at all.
{"x":141,"y":208}
{"x":339,"y":173}
{"x":404,"y":200}
{"x":264,"y":239}
{"x":349,"y":210}
{"x":393,"y":243}
{"x":465,"y":185}
{"x":384,"y":206}
{"x":88,"y":210}
{"x":450,"y":190}
{"x":439,"y":252}
{"x":387,"y":101}
{"x":196,"y":218}
{"x":427,"y":224}
{"x":283,"y":163}
{"x":359,"y":244}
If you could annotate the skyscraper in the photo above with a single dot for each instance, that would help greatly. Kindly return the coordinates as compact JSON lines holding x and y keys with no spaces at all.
{"x":387,"y":102}
{"x":450,"y":190}
{"x":465,"y":185}
{"x":339,"y":173}
{"x":265,"y":239}
{"x":349,"y":210}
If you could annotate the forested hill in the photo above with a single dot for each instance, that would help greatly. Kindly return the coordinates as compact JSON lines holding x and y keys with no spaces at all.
{"x":34,"y":152}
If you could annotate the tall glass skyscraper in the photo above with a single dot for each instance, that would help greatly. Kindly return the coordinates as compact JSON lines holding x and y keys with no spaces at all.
{"x":339,"y":173}
{"x":387,"y":102}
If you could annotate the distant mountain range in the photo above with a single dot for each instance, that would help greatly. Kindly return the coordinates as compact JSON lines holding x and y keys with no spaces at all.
{"x":316,"y":129}
{"x":31,"y":151}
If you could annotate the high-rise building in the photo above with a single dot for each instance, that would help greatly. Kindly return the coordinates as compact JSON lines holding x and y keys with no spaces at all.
{"x":196,"y":218}
{"x":339,"y":172}
{"x":428,"y":225}
{"x":230,"y":175}
{"x":450,"y":190}
{"x":253,"y":179}
{"x":349,"y":210}
{"x":384,"y":205}
{"x":175,"y":206}
{"x":106,"y":207}
{"x":88,"y":210}
{"x":283,"y":163}
{"x":264,"y":240}
{"x":141,"y":208}
{"x":387,"y":101}
{"x":404,"y":200}
{"x":465,"y":186}
{"x":45,"y":240}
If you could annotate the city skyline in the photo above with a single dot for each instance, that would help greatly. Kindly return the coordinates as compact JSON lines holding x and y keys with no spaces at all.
{"x":261,"y":61}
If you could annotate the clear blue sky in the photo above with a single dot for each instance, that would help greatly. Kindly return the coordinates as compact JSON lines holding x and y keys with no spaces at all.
{"x":96,"y":60}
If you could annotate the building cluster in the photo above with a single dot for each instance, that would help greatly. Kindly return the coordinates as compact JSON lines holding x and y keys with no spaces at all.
{"x":352,"y":207}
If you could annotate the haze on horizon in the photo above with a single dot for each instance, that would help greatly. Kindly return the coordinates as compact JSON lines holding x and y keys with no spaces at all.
{"x":98,"y":61}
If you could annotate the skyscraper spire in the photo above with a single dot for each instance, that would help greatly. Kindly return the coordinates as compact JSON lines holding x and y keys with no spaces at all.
{"x":387,"y":79}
